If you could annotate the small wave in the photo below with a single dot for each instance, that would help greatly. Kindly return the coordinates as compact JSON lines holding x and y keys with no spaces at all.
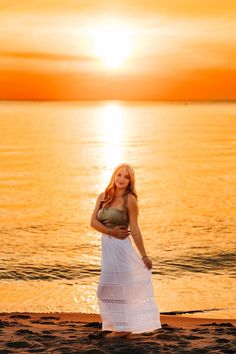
{"x":217,"y":264}
{"x":47,"y":272}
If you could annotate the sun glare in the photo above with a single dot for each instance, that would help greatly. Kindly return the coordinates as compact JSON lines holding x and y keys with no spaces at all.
{"x":112,"y":45}
{"x":112,"y":129}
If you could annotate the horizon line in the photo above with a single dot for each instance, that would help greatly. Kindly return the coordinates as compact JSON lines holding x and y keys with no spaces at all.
{"x":120,"y":100}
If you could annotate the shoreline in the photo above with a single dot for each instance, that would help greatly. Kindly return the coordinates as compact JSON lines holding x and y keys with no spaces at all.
{"x":69,"y":332}
{"x":171,"y":320}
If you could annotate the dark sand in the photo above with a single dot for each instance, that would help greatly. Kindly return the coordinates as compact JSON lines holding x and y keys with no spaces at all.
{"x":81,"y":333}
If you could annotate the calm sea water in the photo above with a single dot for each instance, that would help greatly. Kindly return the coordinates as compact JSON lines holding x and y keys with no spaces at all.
{"x":56,"y":158}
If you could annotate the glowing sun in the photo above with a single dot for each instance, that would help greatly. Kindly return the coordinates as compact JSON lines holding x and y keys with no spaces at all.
{"x":112,"y":45}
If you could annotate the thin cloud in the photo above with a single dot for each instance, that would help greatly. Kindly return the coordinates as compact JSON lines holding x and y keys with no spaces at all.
{"x":47,"y":56}
{"x":208,"y":8}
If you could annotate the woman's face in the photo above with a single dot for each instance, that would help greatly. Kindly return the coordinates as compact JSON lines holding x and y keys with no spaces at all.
{"x":122,"y":178}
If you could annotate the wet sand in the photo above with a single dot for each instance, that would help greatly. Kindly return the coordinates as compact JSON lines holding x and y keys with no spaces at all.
{"x":81,"y":333}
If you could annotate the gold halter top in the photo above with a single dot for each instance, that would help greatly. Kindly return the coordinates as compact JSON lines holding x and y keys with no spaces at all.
{"x":112,"y":217}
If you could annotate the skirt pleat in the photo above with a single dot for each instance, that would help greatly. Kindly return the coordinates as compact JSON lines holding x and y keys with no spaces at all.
{"x":125,"y":291}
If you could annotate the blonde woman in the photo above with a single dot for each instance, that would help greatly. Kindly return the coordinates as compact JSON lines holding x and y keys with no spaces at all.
{"x":125,"y":292}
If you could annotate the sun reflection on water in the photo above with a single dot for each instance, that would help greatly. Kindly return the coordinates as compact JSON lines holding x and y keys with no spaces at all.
{"x":112,"y":117}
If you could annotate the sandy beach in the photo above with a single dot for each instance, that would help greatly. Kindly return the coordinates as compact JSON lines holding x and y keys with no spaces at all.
{"x":81,"y":333}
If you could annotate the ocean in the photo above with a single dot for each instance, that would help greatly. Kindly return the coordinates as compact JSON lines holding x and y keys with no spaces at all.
{"x":56,"y":157}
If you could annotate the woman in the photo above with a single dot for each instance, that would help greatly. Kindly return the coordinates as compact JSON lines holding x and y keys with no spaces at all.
{"x":125,"y":292}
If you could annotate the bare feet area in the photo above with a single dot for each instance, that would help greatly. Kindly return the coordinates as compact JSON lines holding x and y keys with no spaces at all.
{"x":118,"y":334}
{"x":81,"y":333}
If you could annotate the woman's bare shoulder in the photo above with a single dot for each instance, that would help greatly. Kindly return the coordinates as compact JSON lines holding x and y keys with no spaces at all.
{"x":131,"y":199}
{"x":101,"y":196}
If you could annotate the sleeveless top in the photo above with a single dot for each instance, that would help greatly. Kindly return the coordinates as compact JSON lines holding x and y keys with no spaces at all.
{"x":112,"y":217}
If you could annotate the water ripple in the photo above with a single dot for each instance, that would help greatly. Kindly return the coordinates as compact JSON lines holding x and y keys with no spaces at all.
{"x":47,"y":272}
{"x":219,"y":263}
{"x":215,"y":264}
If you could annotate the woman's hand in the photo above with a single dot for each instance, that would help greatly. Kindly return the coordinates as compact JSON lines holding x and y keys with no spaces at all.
{"x":148,"y":262}
{"x":120,"y":232}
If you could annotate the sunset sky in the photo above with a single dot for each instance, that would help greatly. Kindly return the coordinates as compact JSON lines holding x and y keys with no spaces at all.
{"x":138,"y":50}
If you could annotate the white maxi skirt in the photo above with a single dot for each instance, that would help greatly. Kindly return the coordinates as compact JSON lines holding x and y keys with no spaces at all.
{"x":125,"y":291}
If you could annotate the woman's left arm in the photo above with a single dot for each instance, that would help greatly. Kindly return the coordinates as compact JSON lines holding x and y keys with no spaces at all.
{"x":133,"y":222}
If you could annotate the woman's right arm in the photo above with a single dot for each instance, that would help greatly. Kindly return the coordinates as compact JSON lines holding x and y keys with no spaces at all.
{"x":95,"y":223}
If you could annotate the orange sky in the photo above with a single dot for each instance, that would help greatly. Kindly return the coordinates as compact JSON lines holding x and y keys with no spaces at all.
{"x":183,"y":49}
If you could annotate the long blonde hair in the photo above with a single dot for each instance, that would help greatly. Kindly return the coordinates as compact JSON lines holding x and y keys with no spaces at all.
{"x":109,"y":192}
